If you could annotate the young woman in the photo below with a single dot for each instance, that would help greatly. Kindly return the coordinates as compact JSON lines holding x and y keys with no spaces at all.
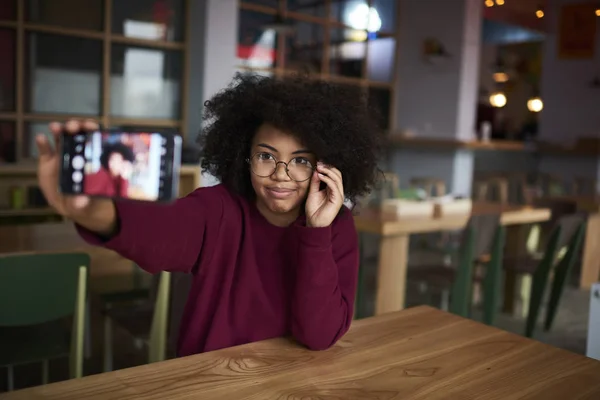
{"x":272,"y":249}
{"x":111,"y":179}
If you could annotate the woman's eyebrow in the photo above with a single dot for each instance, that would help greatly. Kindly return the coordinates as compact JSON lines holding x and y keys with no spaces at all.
{"x":302,"y":151}
{"x":266,"y":146}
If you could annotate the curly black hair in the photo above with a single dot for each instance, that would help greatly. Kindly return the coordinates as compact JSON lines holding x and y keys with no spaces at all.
{"x":125,"y":151}
{"x":333,"y":121}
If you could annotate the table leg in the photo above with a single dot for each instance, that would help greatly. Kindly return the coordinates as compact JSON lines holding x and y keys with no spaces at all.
{"x":590,"y":267}
{"x":391,"y":274}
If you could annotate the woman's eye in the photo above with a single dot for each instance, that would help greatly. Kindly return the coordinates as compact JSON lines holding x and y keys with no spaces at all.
{"x":302,"y":161}
{"x":265,"y":156}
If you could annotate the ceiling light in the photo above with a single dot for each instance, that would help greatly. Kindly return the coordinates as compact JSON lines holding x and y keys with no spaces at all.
{"x":535,"y":104}
{"x":498,"y":100}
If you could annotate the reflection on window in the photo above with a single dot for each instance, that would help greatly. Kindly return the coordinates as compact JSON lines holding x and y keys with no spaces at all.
{"x":8,"y":10}
{"x":75,"y":14}
{"x":268,"y":3}
{"x":380,"y":99}
{"x":167,"y":16}
{"x":64,"y":74}
{"x":8,"y":142}
{"x":380,"y":63}
{"x":304,"y":48}
{"x":31,"y":130}
{"x":256,"y":45}
{"x":311,"y":7}
{"x":145,"y":83}
{"x":386,"y":10}
{"x":7,"y":70}
{"x":348,"y":51}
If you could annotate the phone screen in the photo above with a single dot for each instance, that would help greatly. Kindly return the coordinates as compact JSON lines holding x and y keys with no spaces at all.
{"x":127,"y":165}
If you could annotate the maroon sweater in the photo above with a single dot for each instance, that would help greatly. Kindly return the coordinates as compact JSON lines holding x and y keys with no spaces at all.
{"x":251,"y":280}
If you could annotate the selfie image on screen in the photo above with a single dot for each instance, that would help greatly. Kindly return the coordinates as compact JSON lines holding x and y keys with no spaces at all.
{"x":123,"y":165}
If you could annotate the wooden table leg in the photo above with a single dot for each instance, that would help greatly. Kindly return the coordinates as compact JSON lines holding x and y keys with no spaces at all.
{"x":391,"y":275}
{"x":590,"y":267}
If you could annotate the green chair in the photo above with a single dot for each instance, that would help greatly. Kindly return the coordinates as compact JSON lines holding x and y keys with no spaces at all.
{"x":569,"y":231}
{"x":37,"y":293}
{"x":145,"y":316}
{"x":454,"y":280}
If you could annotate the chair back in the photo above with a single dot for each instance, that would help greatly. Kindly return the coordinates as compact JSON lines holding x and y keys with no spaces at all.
{"x":38,"y":288}
{"x":477,"y":239}
{"x":180,"y":290}
{"x":485,"y":227}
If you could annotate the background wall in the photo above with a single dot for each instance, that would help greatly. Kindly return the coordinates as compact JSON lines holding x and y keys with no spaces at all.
{"x":570,"y":104}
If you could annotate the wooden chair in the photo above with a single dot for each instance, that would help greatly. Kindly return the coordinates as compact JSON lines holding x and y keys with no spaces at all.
{"x":432,"y":186}
{"x":493,"y":187}
{"x":560,"y":253}
{"x":583,"y":187}
{"x":454,"y":280}
{"x":37,"y":292}
{"x":144,"y":314}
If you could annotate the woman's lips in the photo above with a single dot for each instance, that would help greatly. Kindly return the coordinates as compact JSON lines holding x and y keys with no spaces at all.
{"x":280,"y":193}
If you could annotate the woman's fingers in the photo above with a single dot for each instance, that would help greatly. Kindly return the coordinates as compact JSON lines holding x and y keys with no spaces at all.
{"x":73,"y":126}
{"x":333,"y":186}
{"x":90,"y":125}
{"x":43,"y":145}
{"x":334,"y":174}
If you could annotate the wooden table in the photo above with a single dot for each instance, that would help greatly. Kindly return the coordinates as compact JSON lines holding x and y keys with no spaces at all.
{"x":418,"y":353}
{"x":395,"y":234}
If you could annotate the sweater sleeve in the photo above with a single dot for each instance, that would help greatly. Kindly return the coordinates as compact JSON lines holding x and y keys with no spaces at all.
{"x":326,"y":279}
{"x":175,"y":237}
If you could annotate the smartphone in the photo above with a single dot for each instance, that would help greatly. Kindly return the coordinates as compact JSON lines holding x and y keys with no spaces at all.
{"x":138,"y":166}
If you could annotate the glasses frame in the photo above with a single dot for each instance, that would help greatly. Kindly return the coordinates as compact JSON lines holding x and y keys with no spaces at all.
{"x":277,"y":162}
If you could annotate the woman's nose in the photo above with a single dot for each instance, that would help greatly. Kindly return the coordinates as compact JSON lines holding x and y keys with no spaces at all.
{"x":281,"y":172}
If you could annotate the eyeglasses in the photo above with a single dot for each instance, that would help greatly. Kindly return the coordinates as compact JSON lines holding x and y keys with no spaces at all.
{"x":299,"y":169}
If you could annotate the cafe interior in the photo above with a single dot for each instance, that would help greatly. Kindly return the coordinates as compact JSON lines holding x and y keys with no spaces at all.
{"x":479,"y":264}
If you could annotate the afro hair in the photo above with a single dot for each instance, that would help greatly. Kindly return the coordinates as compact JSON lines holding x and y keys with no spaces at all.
{"x":125,"y":151}
{"x":332,"y":120}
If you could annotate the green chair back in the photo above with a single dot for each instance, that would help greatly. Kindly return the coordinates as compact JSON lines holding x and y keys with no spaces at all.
{"x":562,"y":272}
{"x":462,"y":288}
{"x":492,"y":282}
{"x":38,"y":288}
{"x":540,"y":280}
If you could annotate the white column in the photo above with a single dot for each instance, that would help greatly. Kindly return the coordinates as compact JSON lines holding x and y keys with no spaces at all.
{"x":213,"y":43}
{"x":436,"y":98}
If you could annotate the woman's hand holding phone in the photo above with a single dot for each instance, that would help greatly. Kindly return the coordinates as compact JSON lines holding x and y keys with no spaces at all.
{"x":95,"y":214}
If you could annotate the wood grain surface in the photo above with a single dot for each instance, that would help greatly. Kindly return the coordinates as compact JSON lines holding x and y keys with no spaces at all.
{"x":418,"y":353}
{"x":373,"y":221}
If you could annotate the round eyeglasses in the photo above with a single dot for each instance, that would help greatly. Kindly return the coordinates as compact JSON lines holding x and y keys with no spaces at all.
{"x":299,"y":169}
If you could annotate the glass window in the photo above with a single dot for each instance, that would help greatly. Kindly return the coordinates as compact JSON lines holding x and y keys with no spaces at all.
{"x":145,"y":83}
{"x":8,"y":142}
{"x":386,"y":14}
{"x":268,"y":3}
{"x":347,"y":52}
{"x":380,"y":59}
{"x":311,"y":7}
{"x":304,"y":47}
{"x":257,"y":46}
{"x":268,"y":74}
{"x":380,"y":99}
{"x":64,"y":74}
{"x":149,"y":19}
{"x":8,"y":10}
{"x":31,"y":130}
{"x":7,"y":70}
{"x":74,"y":14}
